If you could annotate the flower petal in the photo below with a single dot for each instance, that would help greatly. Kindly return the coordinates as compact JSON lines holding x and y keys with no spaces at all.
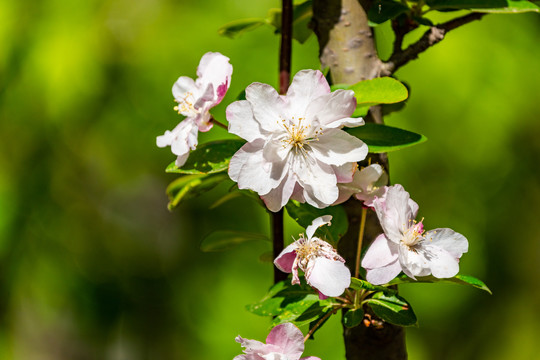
{"x":449,"y":240}
{"x":279,"y":196}
{"x":182,"y":86}
{"x":336,"y":147}
{"x":383,"y":274}
{"x":267,"y":106}
{"x":395,"y":212}
{"x":285,"y":259}
{"x":306,"y":86}
{"x":330,"y":277}
{"x":441,"y":262}
{"x":242,"y":121}
{"x":334,"y":110}
{"x":317,"y":223}
{"x":381,"y":252}
{"x":251,"y":346}
{"x":289,"y":339}
{"x":317,"y":179}
{"x":251,"y":171}
{"x":215,"y":69}
{"x":414,"y":261}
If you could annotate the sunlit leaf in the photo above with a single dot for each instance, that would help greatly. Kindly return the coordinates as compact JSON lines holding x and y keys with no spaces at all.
{"x":209,"y":158}
{"x":304,"y":214}
{"x":382,"y":138}
{"x":393,"y":309}
{"x":227,"y":239}
{"x":190,"y":186}
{"x":458,"y":279}
{"x":359,"y":284}
{"x":383,"y":90}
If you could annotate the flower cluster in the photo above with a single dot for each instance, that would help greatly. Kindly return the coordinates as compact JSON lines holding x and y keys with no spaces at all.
{"x":406,"y":246}
{"x":323,"y":268}
{"x":296,"y":148}
{"x":195,"y":99}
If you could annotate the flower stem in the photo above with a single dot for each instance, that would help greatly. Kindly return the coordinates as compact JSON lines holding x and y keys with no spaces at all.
{"x":213,"y":119}
{"x":360,"y":239}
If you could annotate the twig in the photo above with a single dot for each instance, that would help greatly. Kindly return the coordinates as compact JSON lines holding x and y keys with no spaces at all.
{"x":431,"y":37}
{"x":277,"y":241}
{"x":319,"y":323}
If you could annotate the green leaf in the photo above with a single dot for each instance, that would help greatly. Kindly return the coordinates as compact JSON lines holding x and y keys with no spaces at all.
{"x":190,"y":186}
{"x":358,"y":284}
{"x":279,"y":296}
{"x":393,"y":309}
{"x":383,"y":90}
{"x":458,"y":279}
{"x":237,"y":27}
{"x":487,"y":6}
{"x":384,"y":10}
{"x":209,"y":158}
{"x":353,"y":318}
{"x":304,"y":214}
{"x":227,"y":239}
{"x":382,"y":138}
{"x":303,"y":312}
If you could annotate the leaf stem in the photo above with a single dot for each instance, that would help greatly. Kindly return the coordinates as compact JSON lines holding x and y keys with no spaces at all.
{"x":360,"y":239}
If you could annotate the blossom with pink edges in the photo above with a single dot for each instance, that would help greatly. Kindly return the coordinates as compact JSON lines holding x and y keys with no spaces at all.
{"x":323,"y":268}
{"x":368,"y":184}
{"x":195,"y":98}
{"x":406,"y":246}
{"x":284,"y":342}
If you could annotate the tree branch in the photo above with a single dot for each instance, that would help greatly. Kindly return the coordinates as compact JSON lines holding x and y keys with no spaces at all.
{"x":431,"y":37}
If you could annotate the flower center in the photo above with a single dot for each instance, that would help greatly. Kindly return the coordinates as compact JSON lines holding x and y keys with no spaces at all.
{"x":297,"y":135}
{"x":185,"y":105}
{"x":414,"y":234}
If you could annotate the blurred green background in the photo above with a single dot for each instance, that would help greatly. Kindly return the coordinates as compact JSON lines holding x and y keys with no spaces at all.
{"x":93,"y":266}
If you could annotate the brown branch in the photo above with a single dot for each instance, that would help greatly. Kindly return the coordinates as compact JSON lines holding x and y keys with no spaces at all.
{"x":431,"y":37}
{"x":285,"y":53}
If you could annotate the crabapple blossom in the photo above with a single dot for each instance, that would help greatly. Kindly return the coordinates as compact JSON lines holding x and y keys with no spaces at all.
{"x":323,"y":268}
{"x":296,"y":148}
{"x":195,"y":98}
{"x":406,"y":246}
{"x":284,"y":342}
{"x":367,"y":184}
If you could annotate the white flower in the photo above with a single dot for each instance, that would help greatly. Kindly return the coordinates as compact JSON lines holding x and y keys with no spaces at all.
{"x":368,"y":184}
{"x":195,"y":99}
{"x":405,"y":245}
{"x":323,"y":268}
{"x":296,"y":148}
{"x":284,"y":342}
